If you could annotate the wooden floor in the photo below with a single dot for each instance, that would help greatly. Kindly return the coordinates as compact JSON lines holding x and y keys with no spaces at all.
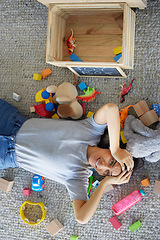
{"x":96,"y":36}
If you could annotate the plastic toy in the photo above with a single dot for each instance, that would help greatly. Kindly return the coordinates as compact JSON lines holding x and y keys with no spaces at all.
{"x":89,"y":114}
{"x":54,"y":227}
{"x":135,"y":226}
{"x":157,"y":187}
{"x":75,"y":58}
{"x":117,"y":57}
{"x":16,"y":97}
{"x":156,"y":108}
{"x":128,"y":202}
{"x":125,"y":90}
{"x":37,"y":183}
{"x":6,"y":184}
{"x":95,"y":184}
{"x":117,"y":50}
{"x":55,"y":116}
{"x":123,"y":115}
{"x":41,"y":111}
{"x":26,"y":191}
{"x":37,"y":77}
{"x":71,"y":43}
{"x":145,"y":182}
{"x":25,"y":219}
{"x":90,"y":185}
{"x":82,"y":86}
{"x":123,"y":137}
{"x":45,"y":73}
{"x":73,"y":237}
{"x":84,"y":108}
{"x":115,"y":222}
{"x":89,"y":95}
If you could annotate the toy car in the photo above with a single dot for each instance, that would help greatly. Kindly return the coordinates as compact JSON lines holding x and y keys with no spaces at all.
{"x":37,"y":183}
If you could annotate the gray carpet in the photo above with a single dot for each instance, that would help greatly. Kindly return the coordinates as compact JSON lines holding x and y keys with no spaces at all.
{"x":22,"y":45}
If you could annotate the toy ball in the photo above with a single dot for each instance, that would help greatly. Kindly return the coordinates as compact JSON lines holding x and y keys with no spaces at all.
{"x":51,"y":89}
{"x":49,"y":106}
{"x":45,"y":94}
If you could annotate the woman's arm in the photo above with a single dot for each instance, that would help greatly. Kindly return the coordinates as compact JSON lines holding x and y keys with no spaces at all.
{"x":84,"y":210}
{"x":109,"y":114}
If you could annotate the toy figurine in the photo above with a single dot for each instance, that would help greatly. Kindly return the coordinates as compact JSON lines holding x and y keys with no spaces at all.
{"x":71,"y":43}
{"x":123,"y":115}
{"x":125,"y":90}
{"x":89,"y":95}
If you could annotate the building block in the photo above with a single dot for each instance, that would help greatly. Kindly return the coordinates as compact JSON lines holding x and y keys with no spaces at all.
{"x":75,"y":58}
{"x":95,"y":184}
{"x":115,"y":222}
{"x":123,"y":137}
{"x":141,"y":108}
{"x":117,"y":57}
{"x":6,"y":184}
{"x":82,"y":86}
{"x":73,"y":237}
{"x":32,"y":109}
{"x":135,"y":226}
{"x":84,"y":108}
{"x":16,"y":97}
{"x":157,"y":187}
{"x":54,"y":227}
{"x":145,"y":182}
{"x":149,"y":118}
{"x":45,"y":73}
{"x":117,"y":50}
{"x":89,"y":114}
{"x":26,"y":191}
{"x":55,"y":116}
{"x":155,"y":106}
{"x":37,"y":77}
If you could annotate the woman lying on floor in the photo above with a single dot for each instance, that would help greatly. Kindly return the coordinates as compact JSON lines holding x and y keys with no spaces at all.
{"x":66,"y":151}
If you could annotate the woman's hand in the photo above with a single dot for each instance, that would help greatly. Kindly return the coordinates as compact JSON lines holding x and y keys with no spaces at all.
{"x":123,"y":177}
{"x":124,"y":158}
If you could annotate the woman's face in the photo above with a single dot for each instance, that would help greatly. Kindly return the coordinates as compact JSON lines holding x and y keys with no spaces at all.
{"x":103,"y":162}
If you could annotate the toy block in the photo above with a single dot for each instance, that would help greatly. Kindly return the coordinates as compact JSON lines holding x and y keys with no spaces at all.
{"x":115,"y":222}
{"x":55,"y":116}
{"x":135,"y":226}
{"x":32,"y":109}
{"x":141,"y":108}
{"x":6,"y":184}
{"x":117,"y":50}
{"x":95,"y":184}
{"x":26,"y":191}
{"x":54,"y":227}
{"x":123,"y":137}
{"x":73,"y":237}
{"x":145,"y":182}
{"x":149,"y":118}
{"x":109,"y":188}
{"x":157,"y":187}
{"x":45,"y":73}
{"x":89,"y":114}
{"x":82,"y":86}
{"x":16,"y":97}
{"x":84,"y":108}
{"x":117,"y":57}
{"x":75,"y":58}
{"x":37,"y":77}
{"x":156,"y":108}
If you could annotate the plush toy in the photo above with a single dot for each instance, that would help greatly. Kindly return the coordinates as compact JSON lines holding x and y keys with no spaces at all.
{"x":142,"y":141}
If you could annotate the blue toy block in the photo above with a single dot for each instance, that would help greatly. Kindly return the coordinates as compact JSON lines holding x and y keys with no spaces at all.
{"x":117,"y":57}
{"x":82,"y":86}
{"x":95,"y":184}
{"x":75,"y":58}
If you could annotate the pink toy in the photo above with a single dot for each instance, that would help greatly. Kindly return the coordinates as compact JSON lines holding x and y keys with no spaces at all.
{"x":115,"y":222}
{"x":84,"y":107}
{"x":26,"y":191}
{"x":128,"y":202}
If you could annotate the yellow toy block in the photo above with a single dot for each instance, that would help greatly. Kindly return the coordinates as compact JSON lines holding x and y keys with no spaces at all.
{"x":117,"y":50}
{"x":123,"y":137}
{"x":145,"y":182}
{"x":89,"y":114}
{"x":55,"y":116}
{"x":38,"y":96}
{"x":37,"y":77}
{"x":45,"y":73}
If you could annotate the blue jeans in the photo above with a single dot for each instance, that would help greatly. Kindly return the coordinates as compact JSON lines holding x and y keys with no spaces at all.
{"x":10,"y":122}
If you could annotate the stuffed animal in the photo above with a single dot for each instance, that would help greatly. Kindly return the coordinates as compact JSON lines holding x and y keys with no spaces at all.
{"x":142,"y":141}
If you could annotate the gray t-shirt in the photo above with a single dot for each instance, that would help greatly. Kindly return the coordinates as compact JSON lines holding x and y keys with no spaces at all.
{"x":57,"y":149}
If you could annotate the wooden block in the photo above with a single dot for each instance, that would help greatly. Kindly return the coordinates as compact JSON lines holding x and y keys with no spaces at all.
{"x":45,"y":73}
{"x":55,"y":116}
{"x":26,"y":191}
{"x":123,"y":137}
{"x":141,"y":108}
{"x":117,"y":50}
{"x":149,"y":118}
{"x":54,"y":227}
{"x":6,"y":184}
{"x":37,"y":77}
{"x":115,"y":222}
{"x":145,"y":182}
{"x":32,"y":109}
{"x":73,"y":237}
{"x":135,"y":226}
{"x":157,"y":187}
{"x":89,"y":114}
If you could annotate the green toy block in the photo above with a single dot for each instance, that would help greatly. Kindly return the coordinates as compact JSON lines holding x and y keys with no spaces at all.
{"x":135,"y":225}
{"x":74,"y":237}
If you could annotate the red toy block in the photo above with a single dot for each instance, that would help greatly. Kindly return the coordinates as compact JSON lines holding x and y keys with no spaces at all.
{"x":26,"y":191}
{"x":115,"y":222}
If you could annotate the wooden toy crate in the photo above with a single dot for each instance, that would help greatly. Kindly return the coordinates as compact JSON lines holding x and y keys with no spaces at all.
{"x":98,"y":27}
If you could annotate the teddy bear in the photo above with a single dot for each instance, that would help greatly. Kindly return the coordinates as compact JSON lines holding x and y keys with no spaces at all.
{"x":142,"y":141}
